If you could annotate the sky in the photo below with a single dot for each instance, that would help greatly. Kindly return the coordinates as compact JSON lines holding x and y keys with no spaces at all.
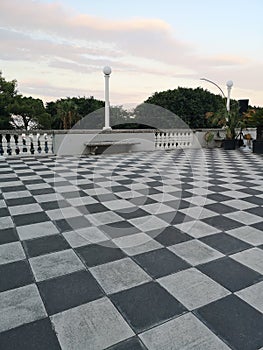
{"x":58,"y":48}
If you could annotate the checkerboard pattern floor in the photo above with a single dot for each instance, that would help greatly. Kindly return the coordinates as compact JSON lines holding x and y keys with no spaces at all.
{"x":158,"y":251}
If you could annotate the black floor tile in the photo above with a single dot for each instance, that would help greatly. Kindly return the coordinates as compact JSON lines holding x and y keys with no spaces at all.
{"x":14,"y":188}
{"x":105,"y":197}
{"x":254,"y":200}
{"x":246,"y":184}
{"x":216,"y":182}
{"x":222,"y":223}
{"x":178,"y":204}
{"x":156,"y":305}
{"x":68,"y":291}
{"x":154,"y":184}
{"x":74,"y":194}
{"x":225,"y":243}
{"x":78,"y":222}
{"x":220,"y":208}
{"x":186,"y":194}
{"x":20,"y":201}
{"x":143,"y":200}
{"x":230,"y":273}
{"x":186,"y":186}
{"x":133,"y":214}
{"x":94,"y":208}
{"x":4,"y":212}
{"x":63,"y":225}
{"x":59,"y":183}
{"x":169,"y":236}
{"x":233,"y":320}
{"x":133,"y":343}
{"x":45,"y":245}
{"x":258,"y":226}
{"x":218,"y":197}
{"x":14,"y":275}
{"x":38,"y":335}
{"x":29,"y":219}
{"x":97,"y":254}
{"x":54,"y":205}
{"x":115,"y":189}
{"x":8,"y":179}
{"x":217,"y":189}
{"x":87,"y":186}
{"x":33,"y":181}
{"x":8,"y":235}
{"x":251,"y":191}
{"x":119,"y":229}
{"x":160,"y":262}
{"x":148,"y":191}
{"x":42,"y":191}
{"x":256,"y":211}
{"x":179,"y":218}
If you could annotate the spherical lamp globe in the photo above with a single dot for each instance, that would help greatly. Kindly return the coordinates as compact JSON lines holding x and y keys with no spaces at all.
{"x":107,"y":70}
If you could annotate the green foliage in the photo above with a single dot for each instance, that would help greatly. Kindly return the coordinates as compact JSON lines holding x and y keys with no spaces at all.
{"x":96,"y":120}
{"x":209,"y":136}
{"x":7,"y":93}
{"x":28,"y":112}
{"x":229,"y":120}
{"x":157,"y":117}
{"x":254,"y":117}
{"x":189,"y":104}
{"x":65,"y":113}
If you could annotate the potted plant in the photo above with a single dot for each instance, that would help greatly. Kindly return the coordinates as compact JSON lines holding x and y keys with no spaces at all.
{"x":230,"y":121}
{"x":254,"y":118}
{"x":209,"y":136}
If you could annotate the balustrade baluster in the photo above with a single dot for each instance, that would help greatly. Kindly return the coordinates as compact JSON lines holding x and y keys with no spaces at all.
{"x":17,"y":149}
{"x":32,"y":149}
{"x":24,"y":143}
{"x":1,"y":145}
{"x":39,"y":149}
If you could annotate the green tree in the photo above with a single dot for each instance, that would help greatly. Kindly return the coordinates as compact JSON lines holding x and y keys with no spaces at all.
{"x":87,"y":105}
{"x":254,"y":117}
{"x":7,"y":94}
{"x":67,"y":111}
{"x":78,"y":107}
{"x":189,"y":104}
{"x":28,"y":113}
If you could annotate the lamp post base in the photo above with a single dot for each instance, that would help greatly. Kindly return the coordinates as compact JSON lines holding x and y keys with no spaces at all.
{"x":106,"y":128}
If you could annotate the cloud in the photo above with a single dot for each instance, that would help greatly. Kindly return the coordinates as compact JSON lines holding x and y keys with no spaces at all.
{"x":145,"y":38}
{"x":62,"y":39}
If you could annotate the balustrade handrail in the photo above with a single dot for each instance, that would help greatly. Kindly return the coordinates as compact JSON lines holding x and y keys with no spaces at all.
{"x":26,"y":132}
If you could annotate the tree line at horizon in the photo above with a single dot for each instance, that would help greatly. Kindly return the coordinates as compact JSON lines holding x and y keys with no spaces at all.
{"x":178,"y":108}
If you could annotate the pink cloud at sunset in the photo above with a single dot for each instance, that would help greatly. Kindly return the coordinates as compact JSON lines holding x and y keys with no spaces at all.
{"x":70,"y":47}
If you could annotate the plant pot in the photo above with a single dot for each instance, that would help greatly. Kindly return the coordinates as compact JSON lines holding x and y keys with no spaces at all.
{"x":258,"y":146}
{"x":229,"y":144}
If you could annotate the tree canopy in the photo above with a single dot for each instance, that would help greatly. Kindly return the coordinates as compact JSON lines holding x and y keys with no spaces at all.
{"x":28,"y":113}
{"x":191,"y":105}
{"x":7,"y":94}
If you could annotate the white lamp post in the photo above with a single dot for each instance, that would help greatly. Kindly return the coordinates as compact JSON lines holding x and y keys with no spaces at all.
{"x":229,"y":85}
{"x":107,"y":72}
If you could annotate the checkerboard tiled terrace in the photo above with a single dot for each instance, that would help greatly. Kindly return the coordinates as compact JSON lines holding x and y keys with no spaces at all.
{"x":158,"y":250}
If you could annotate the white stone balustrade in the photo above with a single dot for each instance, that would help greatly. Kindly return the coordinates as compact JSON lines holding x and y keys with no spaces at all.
{"x":173,"y":139}
{"x":72,"y":142}
{"x":17,"y":142}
